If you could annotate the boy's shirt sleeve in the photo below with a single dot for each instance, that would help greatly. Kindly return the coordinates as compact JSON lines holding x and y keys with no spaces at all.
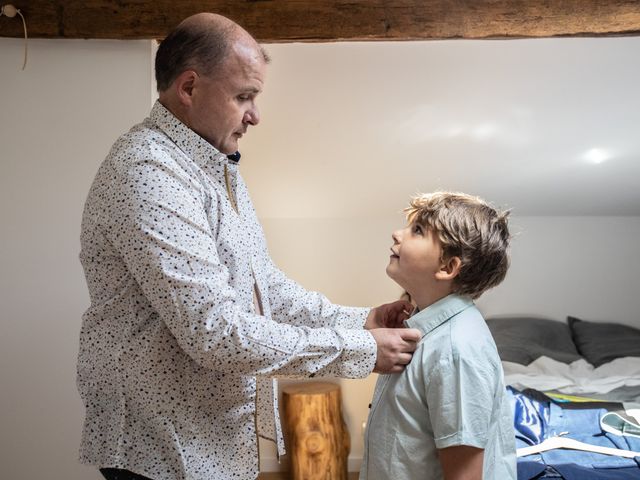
{"x":460,"y":393}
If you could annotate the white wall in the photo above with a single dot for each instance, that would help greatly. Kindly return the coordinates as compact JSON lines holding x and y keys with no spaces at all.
{"x":586,"y":267}
{"x":351,"y":129}
{"x":58,"y":120}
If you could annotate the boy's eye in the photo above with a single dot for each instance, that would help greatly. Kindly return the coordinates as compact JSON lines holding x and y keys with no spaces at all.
{"x":417,"y":229}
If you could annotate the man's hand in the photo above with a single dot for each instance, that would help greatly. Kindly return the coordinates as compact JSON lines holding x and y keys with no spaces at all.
{"x":395,"y":348}
{"x":389,"y":315}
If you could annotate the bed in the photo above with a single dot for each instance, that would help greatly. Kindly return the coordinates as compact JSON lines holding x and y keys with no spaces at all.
{"x":575,"y":392}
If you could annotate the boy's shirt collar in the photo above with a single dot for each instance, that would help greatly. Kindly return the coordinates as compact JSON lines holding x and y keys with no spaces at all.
{"x":438,"y":313}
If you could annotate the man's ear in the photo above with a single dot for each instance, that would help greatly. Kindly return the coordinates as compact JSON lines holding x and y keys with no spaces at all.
{"x":183,"y":86}
{"x":449,"y":269}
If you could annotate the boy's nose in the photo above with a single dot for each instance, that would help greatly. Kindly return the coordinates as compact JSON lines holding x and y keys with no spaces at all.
{"x":396,"y":236}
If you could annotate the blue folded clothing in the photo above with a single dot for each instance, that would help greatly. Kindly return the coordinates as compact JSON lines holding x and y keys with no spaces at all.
{"x":536,"y":420}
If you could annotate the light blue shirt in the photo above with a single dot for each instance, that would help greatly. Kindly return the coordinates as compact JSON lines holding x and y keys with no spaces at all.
{"x":452,"y":393}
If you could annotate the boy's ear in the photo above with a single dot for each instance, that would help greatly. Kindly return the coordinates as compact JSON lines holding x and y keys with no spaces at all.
{"x":449,"y":269}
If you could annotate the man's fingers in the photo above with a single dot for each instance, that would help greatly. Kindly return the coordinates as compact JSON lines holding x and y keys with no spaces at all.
{"x":388,"y":315}
{"x":410,"y":335}
{"x":395,"y":348}
{"x":402,"y":311}
{"x":407,"y":307}
{"x":403,"y":359}
{"x":397,"y":368}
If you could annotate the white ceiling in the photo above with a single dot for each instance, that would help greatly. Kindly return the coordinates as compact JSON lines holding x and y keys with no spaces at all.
{"x":544,"y":126}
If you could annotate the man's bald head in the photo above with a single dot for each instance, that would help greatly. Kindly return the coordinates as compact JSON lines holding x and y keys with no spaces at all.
{"x":201,"y":43}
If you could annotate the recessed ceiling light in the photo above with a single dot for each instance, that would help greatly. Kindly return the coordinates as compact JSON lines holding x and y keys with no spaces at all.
{"x":596,"y":155}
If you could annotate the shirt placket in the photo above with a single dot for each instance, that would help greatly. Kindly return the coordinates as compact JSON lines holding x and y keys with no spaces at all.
{"x":266,"y":388}
{"x":377,"y":394}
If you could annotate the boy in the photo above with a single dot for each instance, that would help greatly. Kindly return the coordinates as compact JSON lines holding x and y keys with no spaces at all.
{"x":447,"y":416}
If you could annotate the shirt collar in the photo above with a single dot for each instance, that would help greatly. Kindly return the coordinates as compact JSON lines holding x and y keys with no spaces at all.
{"x":192,"y":144}
{"x":438,"y":313}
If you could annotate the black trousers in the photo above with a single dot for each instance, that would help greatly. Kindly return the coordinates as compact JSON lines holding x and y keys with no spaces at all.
{"x":119,"y":474}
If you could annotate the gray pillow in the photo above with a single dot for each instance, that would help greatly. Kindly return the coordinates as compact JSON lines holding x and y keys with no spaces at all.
{"x":524,"y":339}
{"x":600,"y":343}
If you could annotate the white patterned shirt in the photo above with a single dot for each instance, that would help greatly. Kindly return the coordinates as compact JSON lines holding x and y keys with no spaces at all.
{"x":189,"y":318}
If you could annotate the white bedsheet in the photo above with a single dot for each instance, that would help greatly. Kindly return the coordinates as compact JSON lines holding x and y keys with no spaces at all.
{"x":579,"y":377}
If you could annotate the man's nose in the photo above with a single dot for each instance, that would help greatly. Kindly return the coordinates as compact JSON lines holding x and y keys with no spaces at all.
{"x":252,"y":116}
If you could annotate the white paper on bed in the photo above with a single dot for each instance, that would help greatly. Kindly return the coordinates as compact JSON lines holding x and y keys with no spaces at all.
{"x":579,"y":377}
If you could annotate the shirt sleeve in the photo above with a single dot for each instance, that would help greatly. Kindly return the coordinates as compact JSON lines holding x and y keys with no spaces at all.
{"x":155,"y":218}
{"x":461,"y":398}
{"x":293,"y":304}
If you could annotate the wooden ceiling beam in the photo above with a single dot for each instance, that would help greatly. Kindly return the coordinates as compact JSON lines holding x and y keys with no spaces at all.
{"x":326,"y":21}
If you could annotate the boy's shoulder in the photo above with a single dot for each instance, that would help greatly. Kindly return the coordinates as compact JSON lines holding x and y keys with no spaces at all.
{"x":471,"y":338}
{"x":464,"y":336}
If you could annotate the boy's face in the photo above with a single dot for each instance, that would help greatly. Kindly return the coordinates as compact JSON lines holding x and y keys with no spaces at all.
{"x":415,"y":259}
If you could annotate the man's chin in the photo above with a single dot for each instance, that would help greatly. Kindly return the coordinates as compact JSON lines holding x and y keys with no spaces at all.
{"x":229,"y":146}
{"x":227,"y":150}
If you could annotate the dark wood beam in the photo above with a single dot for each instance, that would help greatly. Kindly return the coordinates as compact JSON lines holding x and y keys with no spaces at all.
{"x":319,"y":21}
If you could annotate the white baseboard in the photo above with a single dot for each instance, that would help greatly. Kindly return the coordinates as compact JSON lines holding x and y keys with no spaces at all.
{"x":270,"y":464}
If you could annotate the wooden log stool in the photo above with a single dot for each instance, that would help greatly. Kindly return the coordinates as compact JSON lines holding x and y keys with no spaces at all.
{"x":316,"y":436}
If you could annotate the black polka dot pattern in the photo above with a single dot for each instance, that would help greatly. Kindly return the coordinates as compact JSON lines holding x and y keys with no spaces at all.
{"x":175,"y":364}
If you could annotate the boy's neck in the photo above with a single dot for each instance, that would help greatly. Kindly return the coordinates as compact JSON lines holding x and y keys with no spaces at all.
{"x":426,"y":298}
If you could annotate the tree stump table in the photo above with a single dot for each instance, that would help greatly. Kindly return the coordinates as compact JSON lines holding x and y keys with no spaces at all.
{"x":316,"y":436}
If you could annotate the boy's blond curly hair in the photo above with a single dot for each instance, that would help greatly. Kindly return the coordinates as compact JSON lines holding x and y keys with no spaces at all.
{"x":470,"y":229}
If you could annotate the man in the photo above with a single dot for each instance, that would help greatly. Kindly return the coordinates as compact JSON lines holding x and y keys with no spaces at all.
{"x":189,"y":318}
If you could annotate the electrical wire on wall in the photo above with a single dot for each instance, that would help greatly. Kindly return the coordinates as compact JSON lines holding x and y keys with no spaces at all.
{"x":10,"y":11}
